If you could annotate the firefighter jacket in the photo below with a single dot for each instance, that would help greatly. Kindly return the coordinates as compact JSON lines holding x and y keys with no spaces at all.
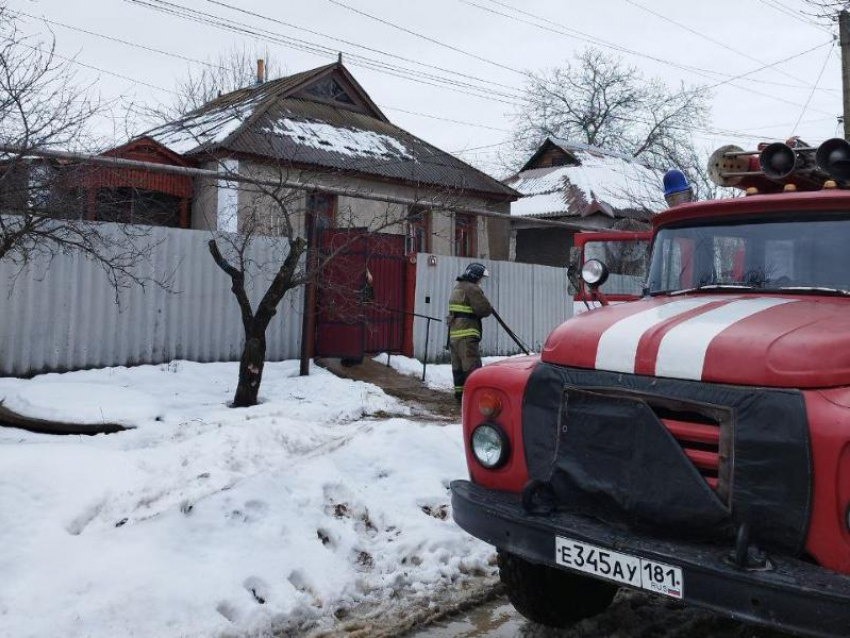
{"x":467,"y":306}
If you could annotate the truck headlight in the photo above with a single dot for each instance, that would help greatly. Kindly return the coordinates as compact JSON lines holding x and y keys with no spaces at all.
{"x":594,"y":273}
{"x":490,"y":446}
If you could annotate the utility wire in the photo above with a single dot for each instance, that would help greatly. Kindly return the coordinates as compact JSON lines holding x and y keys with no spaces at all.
{"x":427,"y":38}
{"x":169,"y":8}
{"x":782,"y":61}
{"x":788,"y":11}
{"x":719,"y":43}
{"x":565,"y":31}
{"x":224,"y":68}
{"x":712,"y":132}
{"x":820,"y":75}
{"x":354,"y":44}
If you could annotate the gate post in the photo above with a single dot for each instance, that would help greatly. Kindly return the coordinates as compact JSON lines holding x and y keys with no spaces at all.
{"x":409,"y":305}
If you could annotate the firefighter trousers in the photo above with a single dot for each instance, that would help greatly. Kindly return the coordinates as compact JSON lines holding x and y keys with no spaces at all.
{"x":466,"y":357}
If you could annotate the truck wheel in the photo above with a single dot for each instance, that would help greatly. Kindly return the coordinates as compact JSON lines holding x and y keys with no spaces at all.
{"x":551,"y":596}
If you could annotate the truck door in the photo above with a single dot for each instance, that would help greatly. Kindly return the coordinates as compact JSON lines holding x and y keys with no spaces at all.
{"x":627,"y":256}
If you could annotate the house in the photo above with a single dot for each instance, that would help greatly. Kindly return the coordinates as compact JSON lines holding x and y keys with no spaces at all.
{"x":590,"y":187}
{"x":94,"y":192}
{"x":320,"y":131}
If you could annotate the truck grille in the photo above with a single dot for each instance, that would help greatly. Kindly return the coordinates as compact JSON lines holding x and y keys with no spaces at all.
{"x":703,"y":431}
{"x":700,"y":442}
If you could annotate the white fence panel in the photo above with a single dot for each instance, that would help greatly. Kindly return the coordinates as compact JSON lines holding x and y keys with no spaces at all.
{"x":553,"y":303}
{"x":65,"y":317}
{"x":531,"y":299}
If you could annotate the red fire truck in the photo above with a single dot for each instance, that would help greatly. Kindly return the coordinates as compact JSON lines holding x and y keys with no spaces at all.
{"x":694,"y":443}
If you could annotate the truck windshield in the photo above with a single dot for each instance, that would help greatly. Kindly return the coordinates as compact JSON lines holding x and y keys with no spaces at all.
{"x":784,"y":255}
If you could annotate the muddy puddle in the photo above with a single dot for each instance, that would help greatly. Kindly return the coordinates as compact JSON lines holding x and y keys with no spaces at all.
{"x":496,"y":619}
{"x":632,"y":615}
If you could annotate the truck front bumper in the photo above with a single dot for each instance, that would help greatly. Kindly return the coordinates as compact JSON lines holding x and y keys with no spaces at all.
{"x":790,"y":594}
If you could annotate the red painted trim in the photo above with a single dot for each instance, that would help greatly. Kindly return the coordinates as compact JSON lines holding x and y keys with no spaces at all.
{"x":803,"y":203}
{"x":693,"y":432}
{"x":828,"y":539}
{"x":580,"y":239}
{"x":409,"y":307}
{"x":650,"y":342}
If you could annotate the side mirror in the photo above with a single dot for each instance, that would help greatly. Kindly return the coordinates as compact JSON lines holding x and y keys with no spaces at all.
{"x":594,"y":273}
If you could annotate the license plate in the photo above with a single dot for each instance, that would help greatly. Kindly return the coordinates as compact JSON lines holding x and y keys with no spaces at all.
{"x":622,"y":568}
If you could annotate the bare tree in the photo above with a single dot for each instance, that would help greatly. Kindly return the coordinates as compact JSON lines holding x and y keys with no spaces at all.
{"x":600,"y":101}
{"x":233,"y":69}
{"x":43,"y":108}
{"x":275,"y":249}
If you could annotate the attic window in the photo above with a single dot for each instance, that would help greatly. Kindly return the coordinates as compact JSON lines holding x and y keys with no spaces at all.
{"x":329,"y":89}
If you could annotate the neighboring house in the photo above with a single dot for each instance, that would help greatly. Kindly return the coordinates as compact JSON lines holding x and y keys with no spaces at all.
{"x":99,"y":193}
{"x":320,"y":127}
{"x":590,"y":187}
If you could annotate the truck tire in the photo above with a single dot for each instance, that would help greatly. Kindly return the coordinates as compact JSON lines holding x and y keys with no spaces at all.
{"x":550,"y":596}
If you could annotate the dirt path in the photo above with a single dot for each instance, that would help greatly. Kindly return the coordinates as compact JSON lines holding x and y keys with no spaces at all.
{"x":407,"y":388}
{"x":632,"y":615}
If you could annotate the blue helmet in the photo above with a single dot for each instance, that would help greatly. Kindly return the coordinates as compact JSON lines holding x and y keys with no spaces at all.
{"x":675,"y":182}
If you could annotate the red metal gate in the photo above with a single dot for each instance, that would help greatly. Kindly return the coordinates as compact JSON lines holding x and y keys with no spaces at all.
{"x":353,"y":317}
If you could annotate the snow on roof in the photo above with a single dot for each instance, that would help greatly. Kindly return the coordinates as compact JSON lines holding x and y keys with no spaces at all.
{"x":343,"y":140}
{"x":204,"y":128}
{"x":601,"y":179}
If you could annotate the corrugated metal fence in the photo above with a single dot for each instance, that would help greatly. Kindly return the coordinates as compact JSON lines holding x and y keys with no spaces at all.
{"x":65,"y":317}
{"x":531,"y":299}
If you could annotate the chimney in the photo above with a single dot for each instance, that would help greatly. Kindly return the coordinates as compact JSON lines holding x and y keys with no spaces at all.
{"x":261,"y":71}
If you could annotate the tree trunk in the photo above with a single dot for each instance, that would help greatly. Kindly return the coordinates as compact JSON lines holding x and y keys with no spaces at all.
{"x":251,"y":369}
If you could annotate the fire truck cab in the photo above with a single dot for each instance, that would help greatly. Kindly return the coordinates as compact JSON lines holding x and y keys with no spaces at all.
{"x":694,"y":443}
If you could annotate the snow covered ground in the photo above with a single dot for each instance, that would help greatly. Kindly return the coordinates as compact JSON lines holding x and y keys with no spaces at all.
{"x":208,"y":521}
{"x":438,"y":376}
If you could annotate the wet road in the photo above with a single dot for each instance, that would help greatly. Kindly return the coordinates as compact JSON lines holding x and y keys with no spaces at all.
{"x":632,"y":615}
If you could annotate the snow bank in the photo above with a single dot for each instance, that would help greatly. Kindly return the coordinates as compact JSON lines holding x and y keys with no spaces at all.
{"x":220,"y":522}
{"x":82,"y":403}
{"x":438,"y":376}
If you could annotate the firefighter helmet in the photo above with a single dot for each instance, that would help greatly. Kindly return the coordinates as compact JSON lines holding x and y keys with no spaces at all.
{"x":475,"y":272}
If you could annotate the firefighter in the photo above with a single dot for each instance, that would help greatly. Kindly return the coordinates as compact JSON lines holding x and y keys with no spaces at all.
{"x":467,"y":307}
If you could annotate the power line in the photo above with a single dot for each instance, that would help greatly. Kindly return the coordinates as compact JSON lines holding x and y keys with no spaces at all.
{"x":565,"y":31}
{"x":427,"y":38}
{"x":805,"y":108}
{"x":99,"y":69}
{"x":788,"y":11}
{"x":507,"y":98}
{"x":713,"y":40}
{"x":713,"y":132}
{"x":201,"y":17}
{"x":224,"y":68}
{"x":354,"y":44}
{"x":782,"y":61}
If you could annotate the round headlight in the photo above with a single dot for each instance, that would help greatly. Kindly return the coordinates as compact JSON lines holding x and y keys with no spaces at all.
{"x":594,"y":272}
{"x":490,"y":446}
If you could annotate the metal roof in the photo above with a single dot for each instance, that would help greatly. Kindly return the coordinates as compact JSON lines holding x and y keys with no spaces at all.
{"x":269,"y":121}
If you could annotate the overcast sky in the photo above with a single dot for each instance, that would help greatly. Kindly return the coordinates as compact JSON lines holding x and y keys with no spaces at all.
{"x":735,"y":37}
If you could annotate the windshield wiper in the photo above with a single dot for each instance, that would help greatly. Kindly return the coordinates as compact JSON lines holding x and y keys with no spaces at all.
{"x":814,"y":290}
{"x":712,"y":287}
